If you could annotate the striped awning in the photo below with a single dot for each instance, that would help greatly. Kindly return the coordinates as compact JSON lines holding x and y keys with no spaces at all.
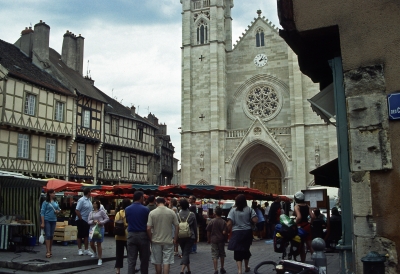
{"x":20,"y":196}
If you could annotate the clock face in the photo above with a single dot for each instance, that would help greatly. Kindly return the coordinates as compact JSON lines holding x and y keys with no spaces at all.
{"x":260,"y":60}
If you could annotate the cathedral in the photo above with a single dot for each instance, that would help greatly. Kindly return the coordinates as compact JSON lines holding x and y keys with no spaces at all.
{"x":246,"y":120}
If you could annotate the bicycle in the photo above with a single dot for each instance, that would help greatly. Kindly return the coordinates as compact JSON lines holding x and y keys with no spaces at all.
{"x":286,"y":266}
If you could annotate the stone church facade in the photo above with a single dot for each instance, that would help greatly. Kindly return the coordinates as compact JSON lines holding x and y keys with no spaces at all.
{"x":246,"y":120}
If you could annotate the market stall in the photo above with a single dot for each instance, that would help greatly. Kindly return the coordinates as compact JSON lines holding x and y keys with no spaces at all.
{"x":19,"y":208}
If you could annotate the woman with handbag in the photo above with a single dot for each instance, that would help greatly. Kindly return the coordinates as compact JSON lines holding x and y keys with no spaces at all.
{"x":48,"y":214}
{"x":121,"y":238}
{"x":97,"y":219}
{"x":241,"y":219}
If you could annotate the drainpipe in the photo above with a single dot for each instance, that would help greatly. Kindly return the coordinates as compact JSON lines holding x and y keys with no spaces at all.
{"x":346,"y":243}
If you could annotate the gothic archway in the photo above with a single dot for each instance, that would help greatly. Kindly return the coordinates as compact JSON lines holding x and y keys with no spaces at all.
{"x":266,"y":177}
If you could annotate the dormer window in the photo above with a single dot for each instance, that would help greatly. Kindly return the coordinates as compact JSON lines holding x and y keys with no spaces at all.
{"x":260,"y":38}
{"x":202,"y":32}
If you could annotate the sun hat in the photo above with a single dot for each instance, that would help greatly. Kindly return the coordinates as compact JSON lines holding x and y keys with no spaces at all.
{"x":299,"y":196}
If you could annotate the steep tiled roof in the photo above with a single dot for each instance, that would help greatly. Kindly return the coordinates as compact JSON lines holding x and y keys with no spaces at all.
{"x":20,"y":66}
{"x":116,"y":108}
{"x":73,"y":79}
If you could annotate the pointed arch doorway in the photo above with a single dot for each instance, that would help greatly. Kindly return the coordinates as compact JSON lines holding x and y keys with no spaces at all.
{"x":266,"y":177}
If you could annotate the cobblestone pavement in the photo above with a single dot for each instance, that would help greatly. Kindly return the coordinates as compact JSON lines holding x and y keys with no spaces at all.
{"x":201,"y":262}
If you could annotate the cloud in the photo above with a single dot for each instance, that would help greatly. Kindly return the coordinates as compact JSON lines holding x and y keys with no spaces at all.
{"x":133,"y":47}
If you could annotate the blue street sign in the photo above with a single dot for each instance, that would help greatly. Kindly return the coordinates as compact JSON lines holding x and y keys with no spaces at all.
{"x":394,"y":106}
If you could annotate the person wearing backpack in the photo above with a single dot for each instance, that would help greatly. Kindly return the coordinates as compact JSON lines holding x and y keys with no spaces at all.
{"x":120,"y":240}
{"x":187,"y":234}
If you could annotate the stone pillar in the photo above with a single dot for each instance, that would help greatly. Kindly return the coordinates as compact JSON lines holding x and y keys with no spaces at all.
{"x":297,"y":127}
{"x":369,"y":150}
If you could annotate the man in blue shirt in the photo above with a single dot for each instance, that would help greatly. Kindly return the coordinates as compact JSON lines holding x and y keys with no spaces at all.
{"x":83,"y":209}
{"x":138,"y":240}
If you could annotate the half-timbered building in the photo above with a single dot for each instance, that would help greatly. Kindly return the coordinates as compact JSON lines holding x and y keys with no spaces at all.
{"x":164,"y":153}
{"x":36,"y":116}
{"x":128,"y":146}
{"x":89,"y":106}
{"x":102,"y":140}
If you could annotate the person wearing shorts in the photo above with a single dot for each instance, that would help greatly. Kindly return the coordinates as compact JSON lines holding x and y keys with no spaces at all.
{"x":159,"y":230}
{"x":216,"y":232}
{"x":83,"y":209}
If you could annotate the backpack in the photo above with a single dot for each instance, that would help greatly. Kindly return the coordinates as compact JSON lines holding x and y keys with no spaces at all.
{"x":119,"y":227}
{"x":184,"y":228}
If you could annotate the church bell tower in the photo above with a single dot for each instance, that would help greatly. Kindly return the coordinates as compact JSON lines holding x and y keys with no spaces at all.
{"x":206,"y":39}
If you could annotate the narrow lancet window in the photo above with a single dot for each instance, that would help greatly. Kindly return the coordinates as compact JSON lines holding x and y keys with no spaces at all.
{"x":260,"y":38}
{"x":202,"y":32}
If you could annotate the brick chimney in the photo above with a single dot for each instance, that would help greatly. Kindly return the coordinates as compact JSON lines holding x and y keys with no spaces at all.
{"x":40,"y":47}
{"x":25,"y":42}
{"x":79,"y":53}
{"x":162,"y":129}
{"x":72,"y":51}
{"x":133,"y":111}
{"x":153,"y":119}
{"x":89,"y":79}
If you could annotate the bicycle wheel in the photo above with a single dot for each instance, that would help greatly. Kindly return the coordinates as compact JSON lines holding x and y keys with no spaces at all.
{"x":265,"y":267}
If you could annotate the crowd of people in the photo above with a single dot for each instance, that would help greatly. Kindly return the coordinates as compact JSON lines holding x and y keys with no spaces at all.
{"x":155,"y":229}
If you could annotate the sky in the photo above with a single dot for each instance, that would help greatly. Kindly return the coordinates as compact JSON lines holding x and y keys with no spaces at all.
{"x":132,"y":47}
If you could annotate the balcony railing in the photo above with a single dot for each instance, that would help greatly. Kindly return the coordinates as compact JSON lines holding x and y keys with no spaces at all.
{"x":237,"y":133}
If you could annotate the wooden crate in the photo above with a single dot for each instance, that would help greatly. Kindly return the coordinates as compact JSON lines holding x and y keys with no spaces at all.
{"x":66,"y":228}
{"x":65,"y":233}
{"x":64,"y":238}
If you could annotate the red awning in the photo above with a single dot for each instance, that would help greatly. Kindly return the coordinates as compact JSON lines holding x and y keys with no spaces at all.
{"x":60,"y":185}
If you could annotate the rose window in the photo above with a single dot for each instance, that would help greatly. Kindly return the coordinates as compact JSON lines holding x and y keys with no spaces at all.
{"x":262,"y":101}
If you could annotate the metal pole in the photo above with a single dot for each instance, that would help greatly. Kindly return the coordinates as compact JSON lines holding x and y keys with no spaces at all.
{"x":345,"y":244}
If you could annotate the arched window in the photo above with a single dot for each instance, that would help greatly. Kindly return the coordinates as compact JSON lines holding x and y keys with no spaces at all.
{"x":202,"y":32}
{"x":260,"y":38}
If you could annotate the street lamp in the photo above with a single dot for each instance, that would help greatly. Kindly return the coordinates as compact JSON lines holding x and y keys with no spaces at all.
{"x":254,"y":184}
{"x":165,"y":180}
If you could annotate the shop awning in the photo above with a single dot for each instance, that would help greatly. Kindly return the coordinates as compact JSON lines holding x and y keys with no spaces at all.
{"x":328,"y":174}
{"x":59,"y":185}
{"x":323,"y":103}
